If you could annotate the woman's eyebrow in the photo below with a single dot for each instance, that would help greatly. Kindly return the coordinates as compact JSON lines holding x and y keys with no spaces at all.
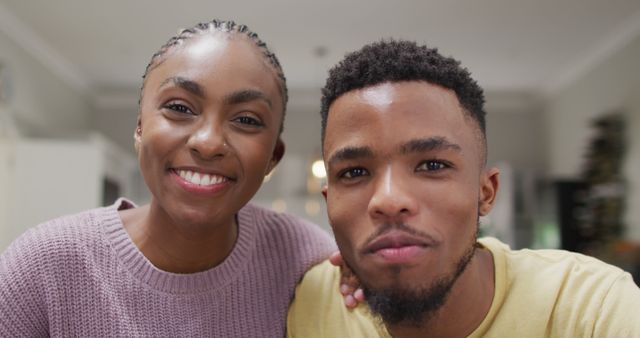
{"x":246,"y":95}
{"x":186,"y":84}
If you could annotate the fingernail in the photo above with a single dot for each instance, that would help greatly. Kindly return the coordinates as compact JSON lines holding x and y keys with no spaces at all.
{"x":344,"y":289}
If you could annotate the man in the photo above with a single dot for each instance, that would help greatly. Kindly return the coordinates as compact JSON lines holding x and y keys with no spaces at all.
{"x":405,"y":148}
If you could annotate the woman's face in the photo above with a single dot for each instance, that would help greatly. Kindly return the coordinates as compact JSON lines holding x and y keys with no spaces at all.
{"x":210,"y":115}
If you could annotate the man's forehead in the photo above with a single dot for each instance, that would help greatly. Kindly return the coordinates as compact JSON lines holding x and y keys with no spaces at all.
{"x":380,"y":95}
{"x":387,"y":92}
{"x":398,"y":103}
{"x":387,"y":117}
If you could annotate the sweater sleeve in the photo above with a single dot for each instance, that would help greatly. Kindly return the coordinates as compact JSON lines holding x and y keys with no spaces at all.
{"x":22,"y":305}
{"x":619,"y":311}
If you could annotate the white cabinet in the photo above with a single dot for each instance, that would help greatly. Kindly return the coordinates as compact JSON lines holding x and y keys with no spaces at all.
{"x":41,"y":179}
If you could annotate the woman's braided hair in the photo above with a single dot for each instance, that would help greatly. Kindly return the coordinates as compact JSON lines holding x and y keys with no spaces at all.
{"x":229,"y":27}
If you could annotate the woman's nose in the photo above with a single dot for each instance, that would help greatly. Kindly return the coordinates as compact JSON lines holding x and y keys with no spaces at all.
{"x":208,"y":140}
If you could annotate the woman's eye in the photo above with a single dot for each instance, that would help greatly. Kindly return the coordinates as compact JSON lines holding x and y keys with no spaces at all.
{"x":248,"y":120}
{"x":432,"y":165}
{"x":180,"y":108}
{"x":353,"y":173}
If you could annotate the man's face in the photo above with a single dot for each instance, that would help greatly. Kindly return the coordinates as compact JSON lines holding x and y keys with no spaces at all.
{"x":406,"y":183}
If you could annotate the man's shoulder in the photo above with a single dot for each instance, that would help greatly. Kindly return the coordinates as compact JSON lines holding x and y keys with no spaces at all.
{"x":564,"y":292}
{"x":318,"y":309}
{"x":549,"y":262}
{"x":321,"y":281}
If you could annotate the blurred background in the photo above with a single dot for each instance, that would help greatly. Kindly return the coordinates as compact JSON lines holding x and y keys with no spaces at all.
{"x":562,"y":80}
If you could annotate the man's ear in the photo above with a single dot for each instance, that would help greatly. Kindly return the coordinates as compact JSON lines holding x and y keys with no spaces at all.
{"x":137,"y":134}
{"x":278,"y":153}
{"x":489,"y":183}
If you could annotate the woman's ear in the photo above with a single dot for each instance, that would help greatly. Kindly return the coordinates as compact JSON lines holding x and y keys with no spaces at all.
{"x":137,"y":134}
{"x":489,"y":183}
{"x":278,"y":152}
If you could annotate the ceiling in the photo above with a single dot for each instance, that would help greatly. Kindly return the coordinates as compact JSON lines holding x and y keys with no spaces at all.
{"x":101,"y":47}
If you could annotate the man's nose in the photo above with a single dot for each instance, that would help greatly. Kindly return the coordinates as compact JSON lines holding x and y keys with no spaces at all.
{"x":393,"y":197}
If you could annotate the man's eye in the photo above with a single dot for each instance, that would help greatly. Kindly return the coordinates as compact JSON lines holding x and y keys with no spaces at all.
{"x":248,"y":120}
{"x":353,"y":173}
{"x":180,"y":108}
{"x":432,"y":165}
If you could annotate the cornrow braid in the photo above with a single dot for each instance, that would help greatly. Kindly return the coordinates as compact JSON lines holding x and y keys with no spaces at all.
{"x":229,"y":27}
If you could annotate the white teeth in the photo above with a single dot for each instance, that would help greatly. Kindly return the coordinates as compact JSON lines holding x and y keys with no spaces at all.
{"x":200,"y":178}
{"x":205,"y":179}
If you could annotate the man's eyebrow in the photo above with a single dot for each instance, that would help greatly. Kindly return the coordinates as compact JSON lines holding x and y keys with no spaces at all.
{"x":428,"y":144}
{"x":186,"y":84}
{"x":349,"y":153}
{"x":246,"y":95}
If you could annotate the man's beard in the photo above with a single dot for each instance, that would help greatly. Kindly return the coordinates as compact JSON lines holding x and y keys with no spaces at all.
{"x":415,"y":307}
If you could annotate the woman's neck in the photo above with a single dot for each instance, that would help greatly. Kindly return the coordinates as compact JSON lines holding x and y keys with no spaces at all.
{"x":179,"y":248}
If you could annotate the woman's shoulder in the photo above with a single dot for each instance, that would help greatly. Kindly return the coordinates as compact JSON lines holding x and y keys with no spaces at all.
{"x":57,"y":240}
{"x":280,"y":222}
{"x":290,"y":233}
{"x":44,"y":262}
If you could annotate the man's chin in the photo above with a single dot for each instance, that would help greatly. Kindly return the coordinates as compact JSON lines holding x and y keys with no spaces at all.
{"x":397,"y":302}
{"x":398,"y":305}
{"x":410,"y":279}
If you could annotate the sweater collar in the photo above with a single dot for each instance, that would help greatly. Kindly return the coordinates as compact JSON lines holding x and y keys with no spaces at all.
{"x":138,"y":266}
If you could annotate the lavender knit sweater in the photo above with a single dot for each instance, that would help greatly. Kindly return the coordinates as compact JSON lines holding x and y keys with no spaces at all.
{"x":82,"y":276}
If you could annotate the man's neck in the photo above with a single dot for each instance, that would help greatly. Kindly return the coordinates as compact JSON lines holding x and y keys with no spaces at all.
{"x":466,"y":306}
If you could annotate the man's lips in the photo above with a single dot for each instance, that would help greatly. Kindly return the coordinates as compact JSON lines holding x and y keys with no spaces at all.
{"x":399,"y":247}
{"x":397,"y":239}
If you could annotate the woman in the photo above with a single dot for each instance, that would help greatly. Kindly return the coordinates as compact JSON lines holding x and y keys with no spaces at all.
{"x":198,"y":260}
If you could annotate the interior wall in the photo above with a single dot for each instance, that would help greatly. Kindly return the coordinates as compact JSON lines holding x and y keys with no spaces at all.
{"x":117,"y":124}
{"x":41,"y":104}
{"x":4,"y":195}
{"x":632,"y":169}
{"x":515,"y":137}
{"x":613,"y":85}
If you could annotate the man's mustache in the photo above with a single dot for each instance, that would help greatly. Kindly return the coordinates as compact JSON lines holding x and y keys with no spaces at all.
{"x":400,"y":226}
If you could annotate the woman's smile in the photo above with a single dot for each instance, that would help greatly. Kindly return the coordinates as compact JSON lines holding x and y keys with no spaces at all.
{"x":201,"y":182}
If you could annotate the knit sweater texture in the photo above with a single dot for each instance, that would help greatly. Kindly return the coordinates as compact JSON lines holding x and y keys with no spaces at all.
{"x":82,"y":276}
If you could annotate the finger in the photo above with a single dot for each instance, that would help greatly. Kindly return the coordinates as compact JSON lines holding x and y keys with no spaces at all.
{"x":359,"y":295}
{"x":346,"y":289}
{"x":336,"y":258}
{"x":350,"y":302}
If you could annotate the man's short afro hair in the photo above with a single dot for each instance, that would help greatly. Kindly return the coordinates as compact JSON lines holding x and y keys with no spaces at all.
{"x":401,"y":60}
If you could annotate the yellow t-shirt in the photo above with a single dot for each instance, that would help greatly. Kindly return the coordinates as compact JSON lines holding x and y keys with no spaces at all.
{"x":538,"y":293}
